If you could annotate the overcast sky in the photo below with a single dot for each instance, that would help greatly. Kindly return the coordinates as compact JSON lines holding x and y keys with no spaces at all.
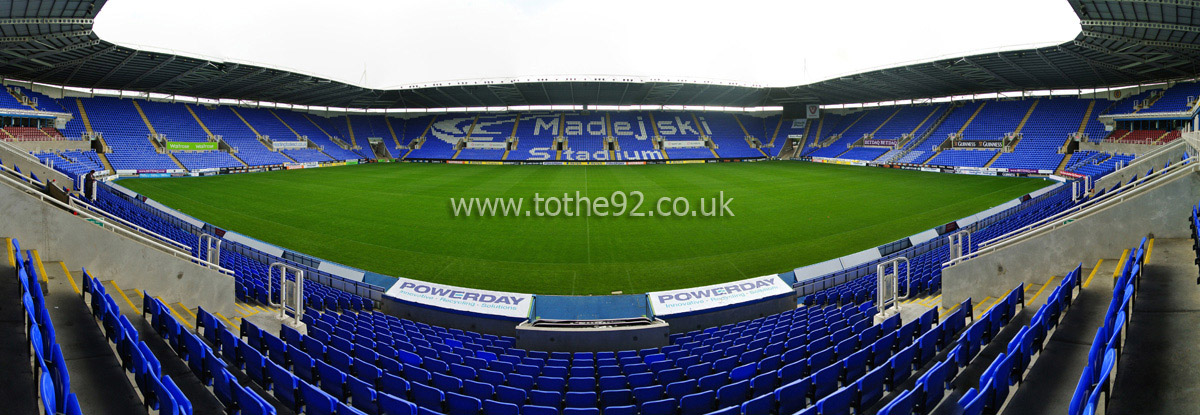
{"x":391,"y":43}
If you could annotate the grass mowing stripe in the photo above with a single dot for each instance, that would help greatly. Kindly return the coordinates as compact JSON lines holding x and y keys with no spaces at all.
{"x":395,"y":219}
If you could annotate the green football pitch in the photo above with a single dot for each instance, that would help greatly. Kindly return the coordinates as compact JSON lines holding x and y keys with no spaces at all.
{"x":397,"y":219}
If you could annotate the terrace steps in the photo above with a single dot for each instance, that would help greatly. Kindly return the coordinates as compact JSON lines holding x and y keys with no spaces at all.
{"x":197,"y":118}
{"x":287,"y":156}
{"x":177,"y":163}
{"x":285,"y":124}
{"x":146,"y":120}
{"x":856,"y":120}
{"x":932,"y":156}
{"x":1086,"y":115}
{"x":889,"y":118}
{"x":993,"y":159}
{"x":391,"y":131}
{"x":1029,"y":113}
{"x":104,"y":160}
{"x":779,"y":125}
{"x":6,"y":133}
{"x":239,"y":159}
{"x":240,"y":117}
{"x":314,"y":123}
{"x":743,"y":128}
{"x":350,"y":130}
{"x":1063,"y":165}
{"x":975,"y":114}
{"x":456,"y":153}
{"x":150,"y":127}
{"x":87,"y":124}
{"x":714,"y":152}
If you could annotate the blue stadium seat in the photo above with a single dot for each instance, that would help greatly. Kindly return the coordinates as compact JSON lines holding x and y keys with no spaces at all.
{"x":837,"y":403}
{"x":902,"y":404}
{"x":793,"y":396}
{"x":457,"y":404}
{"x":392,"y":405}
{"x":698,"y":403}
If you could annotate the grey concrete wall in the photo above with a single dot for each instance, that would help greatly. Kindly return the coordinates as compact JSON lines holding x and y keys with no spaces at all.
{"x":752,"y":311}
{"x":448,"y":319}
{"x":58,"y":145}
{"x":1156,"y":161}
{"x":61,"y":236}
{"x":11,"y":158}
{"x":1125,"y":148}
{"x":593,"y":339}
{"x":1161,"y":212}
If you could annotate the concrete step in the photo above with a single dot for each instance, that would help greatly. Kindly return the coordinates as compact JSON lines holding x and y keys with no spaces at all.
{"x":1157,"y":370}
{"x":1051,"y":379}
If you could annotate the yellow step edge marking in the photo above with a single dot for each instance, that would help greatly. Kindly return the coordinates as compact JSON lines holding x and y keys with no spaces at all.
{"x":975,"y":309}
{"x":239,"y":306}
{"x":189,"y":311}
{"x":1120,"y":264}
{"x":228,"y":324}
{"x":1088,"y":282}
{"x":12,"y":259}
{"x":41,"y":269}
{"x":1039,"y":291}
{"x":1149,"y":249}
{"x":126,"y":297}
{"x":176,"y":313}
{"x":998,"y":300}
{"x":69,"y":277}
{"x":948,"y":311}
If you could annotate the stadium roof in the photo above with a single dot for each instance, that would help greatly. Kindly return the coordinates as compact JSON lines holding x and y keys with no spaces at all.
{"x":1122,"y":42}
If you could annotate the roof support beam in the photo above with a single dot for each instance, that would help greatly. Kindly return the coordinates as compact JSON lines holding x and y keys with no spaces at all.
{"x":43,"y":20}
{"x":36,"y":58}
{"x":116,"y":68}
{"x":47,"y":36}
{"x":262,"y":84}
{"x":1136,"y":60}
{"x":1143,"y":42}
{"x":1056,"y":69}
{"x":1141,"y":25}
{"x":183,"y":74}
{"x":164,"y":63}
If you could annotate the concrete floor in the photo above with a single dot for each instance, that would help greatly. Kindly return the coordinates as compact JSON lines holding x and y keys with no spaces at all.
{"x":1157,"y":372}
{"x":97,"y":378}
{"x":1052,"y":377}
{"x":19,"y":394}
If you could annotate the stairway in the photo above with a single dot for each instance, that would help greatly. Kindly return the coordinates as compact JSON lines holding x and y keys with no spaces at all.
{"x":1086,"y":117}
{"x":391,"y":131}
{"x":1026,"y":119}
{"x":87,"y":124}
{"x":314,"y":123}
{"x":152,"y":132}
{"x":251,"y":127}
{"x":285,"y":124}
{"x":1063,"y":164}
{"x":177,"y":163}
{"x":350,"y":130}
{"x":197,"y":117}
{"x":104,"y":160}
{"x":239,"y":159}
{"x":779,"y":126}
{"x":993,"y":159}
{"x":889,"y":118}
{"x":975,"y":114}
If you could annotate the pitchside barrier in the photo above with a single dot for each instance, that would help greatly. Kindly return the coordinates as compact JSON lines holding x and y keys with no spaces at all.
{"x":813,"y":278}
{"x":590,"y":323}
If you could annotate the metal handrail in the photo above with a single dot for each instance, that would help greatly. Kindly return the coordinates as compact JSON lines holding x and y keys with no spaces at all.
{"x":1107,"y":202}
{"x":1083,"y":205}
{"x":181,"y":245}
{"x":24,"y":187}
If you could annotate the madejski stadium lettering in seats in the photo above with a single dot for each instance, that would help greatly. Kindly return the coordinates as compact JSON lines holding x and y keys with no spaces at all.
{"x":461,"y":299}
{"x":717,"y":295}
{"x":536,"y":134}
